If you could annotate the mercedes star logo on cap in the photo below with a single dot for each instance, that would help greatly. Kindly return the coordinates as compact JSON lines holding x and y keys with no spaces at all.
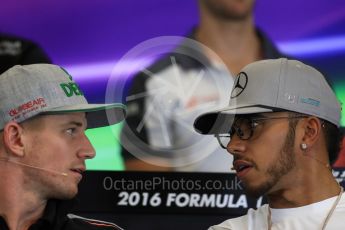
{"x":240,"y":84}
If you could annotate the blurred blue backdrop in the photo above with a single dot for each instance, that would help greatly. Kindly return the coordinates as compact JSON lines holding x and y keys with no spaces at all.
{"x":89,"y":37}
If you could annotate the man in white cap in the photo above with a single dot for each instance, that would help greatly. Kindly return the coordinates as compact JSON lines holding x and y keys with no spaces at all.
{"x":43,"y":147}
{"x":283,"y":121}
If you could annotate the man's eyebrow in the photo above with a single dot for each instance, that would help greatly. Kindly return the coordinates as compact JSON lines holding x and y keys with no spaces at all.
{"x":253,"y":115}
{"x":259,"y":115}
{"x":76,"y":123}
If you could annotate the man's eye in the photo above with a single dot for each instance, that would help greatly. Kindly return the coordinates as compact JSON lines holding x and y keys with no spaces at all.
{"x":254,"y":124}
{"x":71,"y":131}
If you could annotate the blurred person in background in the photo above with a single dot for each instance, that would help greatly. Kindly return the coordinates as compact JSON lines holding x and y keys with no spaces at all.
{"x":163,"y":119}
{"x":19,"y":51}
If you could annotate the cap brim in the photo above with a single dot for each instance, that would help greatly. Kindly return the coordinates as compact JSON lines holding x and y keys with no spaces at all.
{"x":98,"y":115}
{"x":220,"y":121}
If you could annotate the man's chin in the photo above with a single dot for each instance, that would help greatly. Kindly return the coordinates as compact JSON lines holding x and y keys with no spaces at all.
{"x":255,"y":191}
{"x":67,"y":195}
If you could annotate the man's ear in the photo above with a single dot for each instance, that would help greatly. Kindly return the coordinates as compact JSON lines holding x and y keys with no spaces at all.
{"x":312,"y":131}
{"x":13,"y":138}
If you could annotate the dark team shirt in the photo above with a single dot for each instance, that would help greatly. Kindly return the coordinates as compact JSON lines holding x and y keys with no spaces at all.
{"x":138,"y":86}
{"x":56,"y":217}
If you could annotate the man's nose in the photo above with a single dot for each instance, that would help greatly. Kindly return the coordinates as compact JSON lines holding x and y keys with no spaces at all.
{"x":236,"y":145}
{"x":87,"y":151}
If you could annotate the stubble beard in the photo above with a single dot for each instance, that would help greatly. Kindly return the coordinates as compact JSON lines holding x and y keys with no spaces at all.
{"x":285,"y":163}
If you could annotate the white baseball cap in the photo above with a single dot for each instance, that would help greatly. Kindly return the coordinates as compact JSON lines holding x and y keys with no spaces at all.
{"x":274,"y":85}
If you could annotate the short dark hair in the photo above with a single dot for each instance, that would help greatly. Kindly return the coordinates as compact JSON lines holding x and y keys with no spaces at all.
{"x":332,"y":135}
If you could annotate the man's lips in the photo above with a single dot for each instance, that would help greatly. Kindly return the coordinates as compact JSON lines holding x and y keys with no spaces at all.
{"x":242,"y":166}
{"x":79,"y":170}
